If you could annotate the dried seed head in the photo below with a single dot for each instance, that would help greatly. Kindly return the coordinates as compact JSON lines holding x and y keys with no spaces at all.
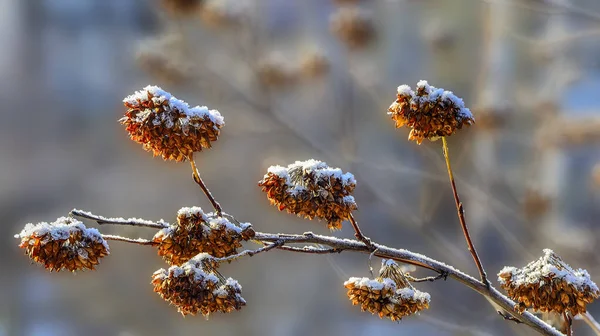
{"x":195,"y":287}
{"x":385,"y":296}
{"x":196,"y":232}
{"x":352,"y":26}
{"x":549,"y":284}
{"x":63,"y":244}
{"x":275,"y":71}
{"x":430,"y":112}
{"x":167,"y":126}
{"x":311,"y":189}
{"x":181,"y":7}
{"x":314,"y":64}
{"x":156,"y":58}
{"x":536,"y":204}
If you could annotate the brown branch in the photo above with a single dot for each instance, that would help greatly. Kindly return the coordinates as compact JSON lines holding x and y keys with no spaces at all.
{"x":419,"y":260}
{"x":138,"y":241}
{"x":568,"y":323}
{"x":101,"y":220}
{"x":251,"y":253}
{"x":309,"y":250}
{"x":461,"y":216}
{"x":203,"y":186}
{"x":358,"y":233}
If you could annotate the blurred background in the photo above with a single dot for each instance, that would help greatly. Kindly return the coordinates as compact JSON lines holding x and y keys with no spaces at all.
{"x":298,"y":80}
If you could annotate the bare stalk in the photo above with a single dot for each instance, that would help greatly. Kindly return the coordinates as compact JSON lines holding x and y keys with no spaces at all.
{"x":358,"y":233}
{"x":309,"y":250}
{"x":138,"y":241}
{"x":461,"y":216}
{"x":568,"y":323}
{"x":251,"y":253}
{"x":203,"y":186}
{"x":590,"y":321}
{"x":101,"y":220}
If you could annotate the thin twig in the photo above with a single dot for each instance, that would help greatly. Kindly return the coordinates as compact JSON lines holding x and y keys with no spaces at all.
{"x":118,"y":221}
{"x":358,"y":233}
{"x":461,"y":216}
{"x":428,"y":279}
{"x":590,"y":321}
{"x":569,"y":323}
{"x":251,"y":253}
{"x":309,"y":250}
{"x":203,"y":186}
{"x":138,"y":241}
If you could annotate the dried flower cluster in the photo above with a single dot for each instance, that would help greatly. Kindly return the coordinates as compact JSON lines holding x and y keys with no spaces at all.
{"x":430,"y":112}
{"x":63,"y":244}
{"x":311,"y":189}
{"x":195,"y":287}
{"x":167,"y":126}
{"x":390,"y":297}
{"x":352,"y":26}
{"x":196,"y":232}
{"x":549,"y":284}
{"x":181,"y":7}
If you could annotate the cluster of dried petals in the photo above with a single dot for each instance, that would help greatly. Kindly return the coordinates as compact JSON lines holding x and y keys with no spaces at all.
{"x":314,"y":64}
{"x":196,"y":288}
{"x":352,"y":26}
{"x":167,"y":126}
{"x":157,"y":58}
{"x":549,"y":284}
{"x":311,"y":189}
{"x":275,"y":71}
{"x":196,"y":232}
{"x":181,"y":7}
{"x":393,"y":298}
{"x":63,"y":244}
{"x":430,"y":112}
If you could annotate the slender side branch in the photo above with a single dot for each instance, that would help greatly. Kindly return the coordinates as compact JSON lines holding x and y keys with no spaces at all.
{"x":309,"y":250}
{"x":138,"y":241}
{"x":419,"y":260}
{"x":461,"y":216}
{"x":251,"y":253}
{"x":358,"y":233}
{"x":589,"y":319}
{"x":203,"y":186}
{"x":426,"y":279}
{"x":118,"y":221}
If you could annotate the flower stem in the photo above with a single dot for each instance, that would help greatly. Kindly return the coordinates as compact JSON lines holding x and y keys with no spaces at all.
{"x":203,"y":186}
{"x":589,"y":319}
{"x":358,"y":233}
{"x":461,"y":216}
{"x":568,"y":323}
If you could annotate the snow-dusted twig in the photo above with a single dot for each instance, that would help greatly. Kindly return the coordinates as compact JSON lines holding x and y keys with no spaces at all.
{"x":590,"y":321}
{"x":118,"y":221}
{"x":251,"y":253}
{"x":309,"y":249}
{"x":426,"y":279}
{"x":138,"y":241}
{"x":419,"y":260}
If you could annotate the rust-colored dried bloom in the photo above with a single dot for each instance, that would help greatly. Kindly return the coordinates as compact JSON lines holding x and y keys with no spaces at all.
{"x":311,"y":189}
{"x":393,"y":298}
{"x":430,"y":112}
{"x":167,"y":126}
{"x":181,"y":7}
{"x":352,"y":26}
{"x":275,"y":71}
{"x":314,"y":64}
{"x":196,"y":232}
{"x":549,"y":284}
{"x":63,"y":244}
{"x":196,"y":288}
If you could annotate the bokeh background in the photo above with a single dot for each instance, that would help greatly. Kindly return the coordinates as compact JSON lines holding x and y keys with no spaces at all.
{"x":298,"y":80}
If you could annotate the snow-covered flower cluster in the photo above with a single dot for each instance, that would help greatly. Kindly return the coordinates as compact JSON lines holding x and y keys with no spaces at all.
{"x":196,"y":232}
{"x":311,"y":189}
{"x":549,"y":285}
{"x":63,"y":244}
{"x":430,"y":112}
{"x":196,"y":288}
{"x":393,"y":297}
{"x":167,"y":126}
